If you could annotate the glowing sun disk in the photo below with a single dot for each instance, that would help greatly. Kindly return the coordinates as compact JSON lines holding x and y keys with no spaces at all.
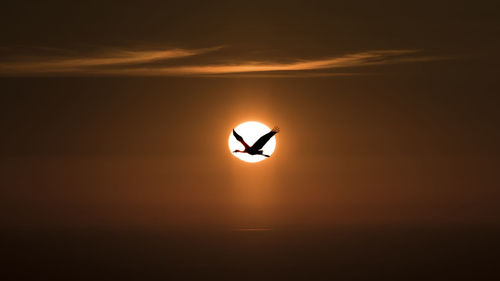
{"x":251,"y":131}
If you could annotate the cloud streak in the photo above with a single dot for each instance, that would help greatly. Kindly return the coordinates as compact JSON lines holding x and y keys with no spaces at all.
{"x":85,"y":64}
{"x":155,"y":63}
{"x":347,"y":61}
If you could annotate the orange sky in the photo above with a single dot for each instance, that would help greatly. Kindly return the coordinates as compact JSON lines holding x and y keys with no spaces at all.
{"x":127,"y":153}
{"x":119,"y":114}
{"x":114,"y":125}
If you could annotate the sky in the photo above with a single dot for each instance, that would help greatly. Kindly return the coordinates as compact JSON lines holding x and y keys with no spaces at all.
{"x":116,"y":115}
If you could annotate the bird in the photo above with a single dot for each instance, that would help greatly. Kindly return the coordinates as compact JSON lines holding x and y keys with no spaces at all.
{"x":256,"y":148}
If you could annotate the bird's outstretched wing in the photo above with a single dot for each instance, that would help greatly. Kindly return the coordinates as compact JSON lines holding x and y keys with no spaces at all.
{"x":259,"y":144}
{"x":240,"y":139}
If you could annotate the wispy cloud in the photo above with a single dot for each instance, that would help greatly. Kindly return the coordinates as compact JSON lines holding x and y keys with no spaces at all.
{"x":92,"y":63}
{"x":351,"y":60}
{"x":140,"y":63}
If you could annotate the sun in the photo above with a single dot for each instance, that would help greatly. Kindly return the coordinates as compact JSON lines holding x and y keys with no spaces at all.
{"x":251,"y":131}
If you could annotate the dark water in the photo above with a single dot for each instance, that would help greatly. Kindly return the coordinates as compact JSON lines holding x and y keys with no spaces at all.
{"x":344,"y":253}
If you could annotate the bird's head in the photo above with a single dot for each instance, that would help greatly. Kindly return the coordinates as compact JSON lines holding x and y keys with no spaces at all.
{"x":237,"y":151}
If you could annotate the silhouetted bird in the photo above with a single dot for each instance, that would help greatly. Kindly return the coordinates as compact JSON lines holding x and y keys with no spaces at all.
{"x":256,"y":148}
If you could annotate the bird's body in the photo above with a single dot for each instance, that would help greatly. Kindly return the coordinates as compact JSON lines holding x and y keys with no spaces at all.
{"x":256,"y":148}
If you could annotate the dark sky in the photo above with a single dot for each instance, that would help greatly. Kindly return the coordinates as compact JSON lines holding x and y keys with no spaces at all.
{"x":400,"y":141}
{"x":117,"y":114}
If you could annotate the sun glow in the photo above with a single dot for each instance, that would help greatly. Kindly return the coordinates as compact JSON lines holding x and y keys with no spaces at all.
{"x":251,"y":131}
